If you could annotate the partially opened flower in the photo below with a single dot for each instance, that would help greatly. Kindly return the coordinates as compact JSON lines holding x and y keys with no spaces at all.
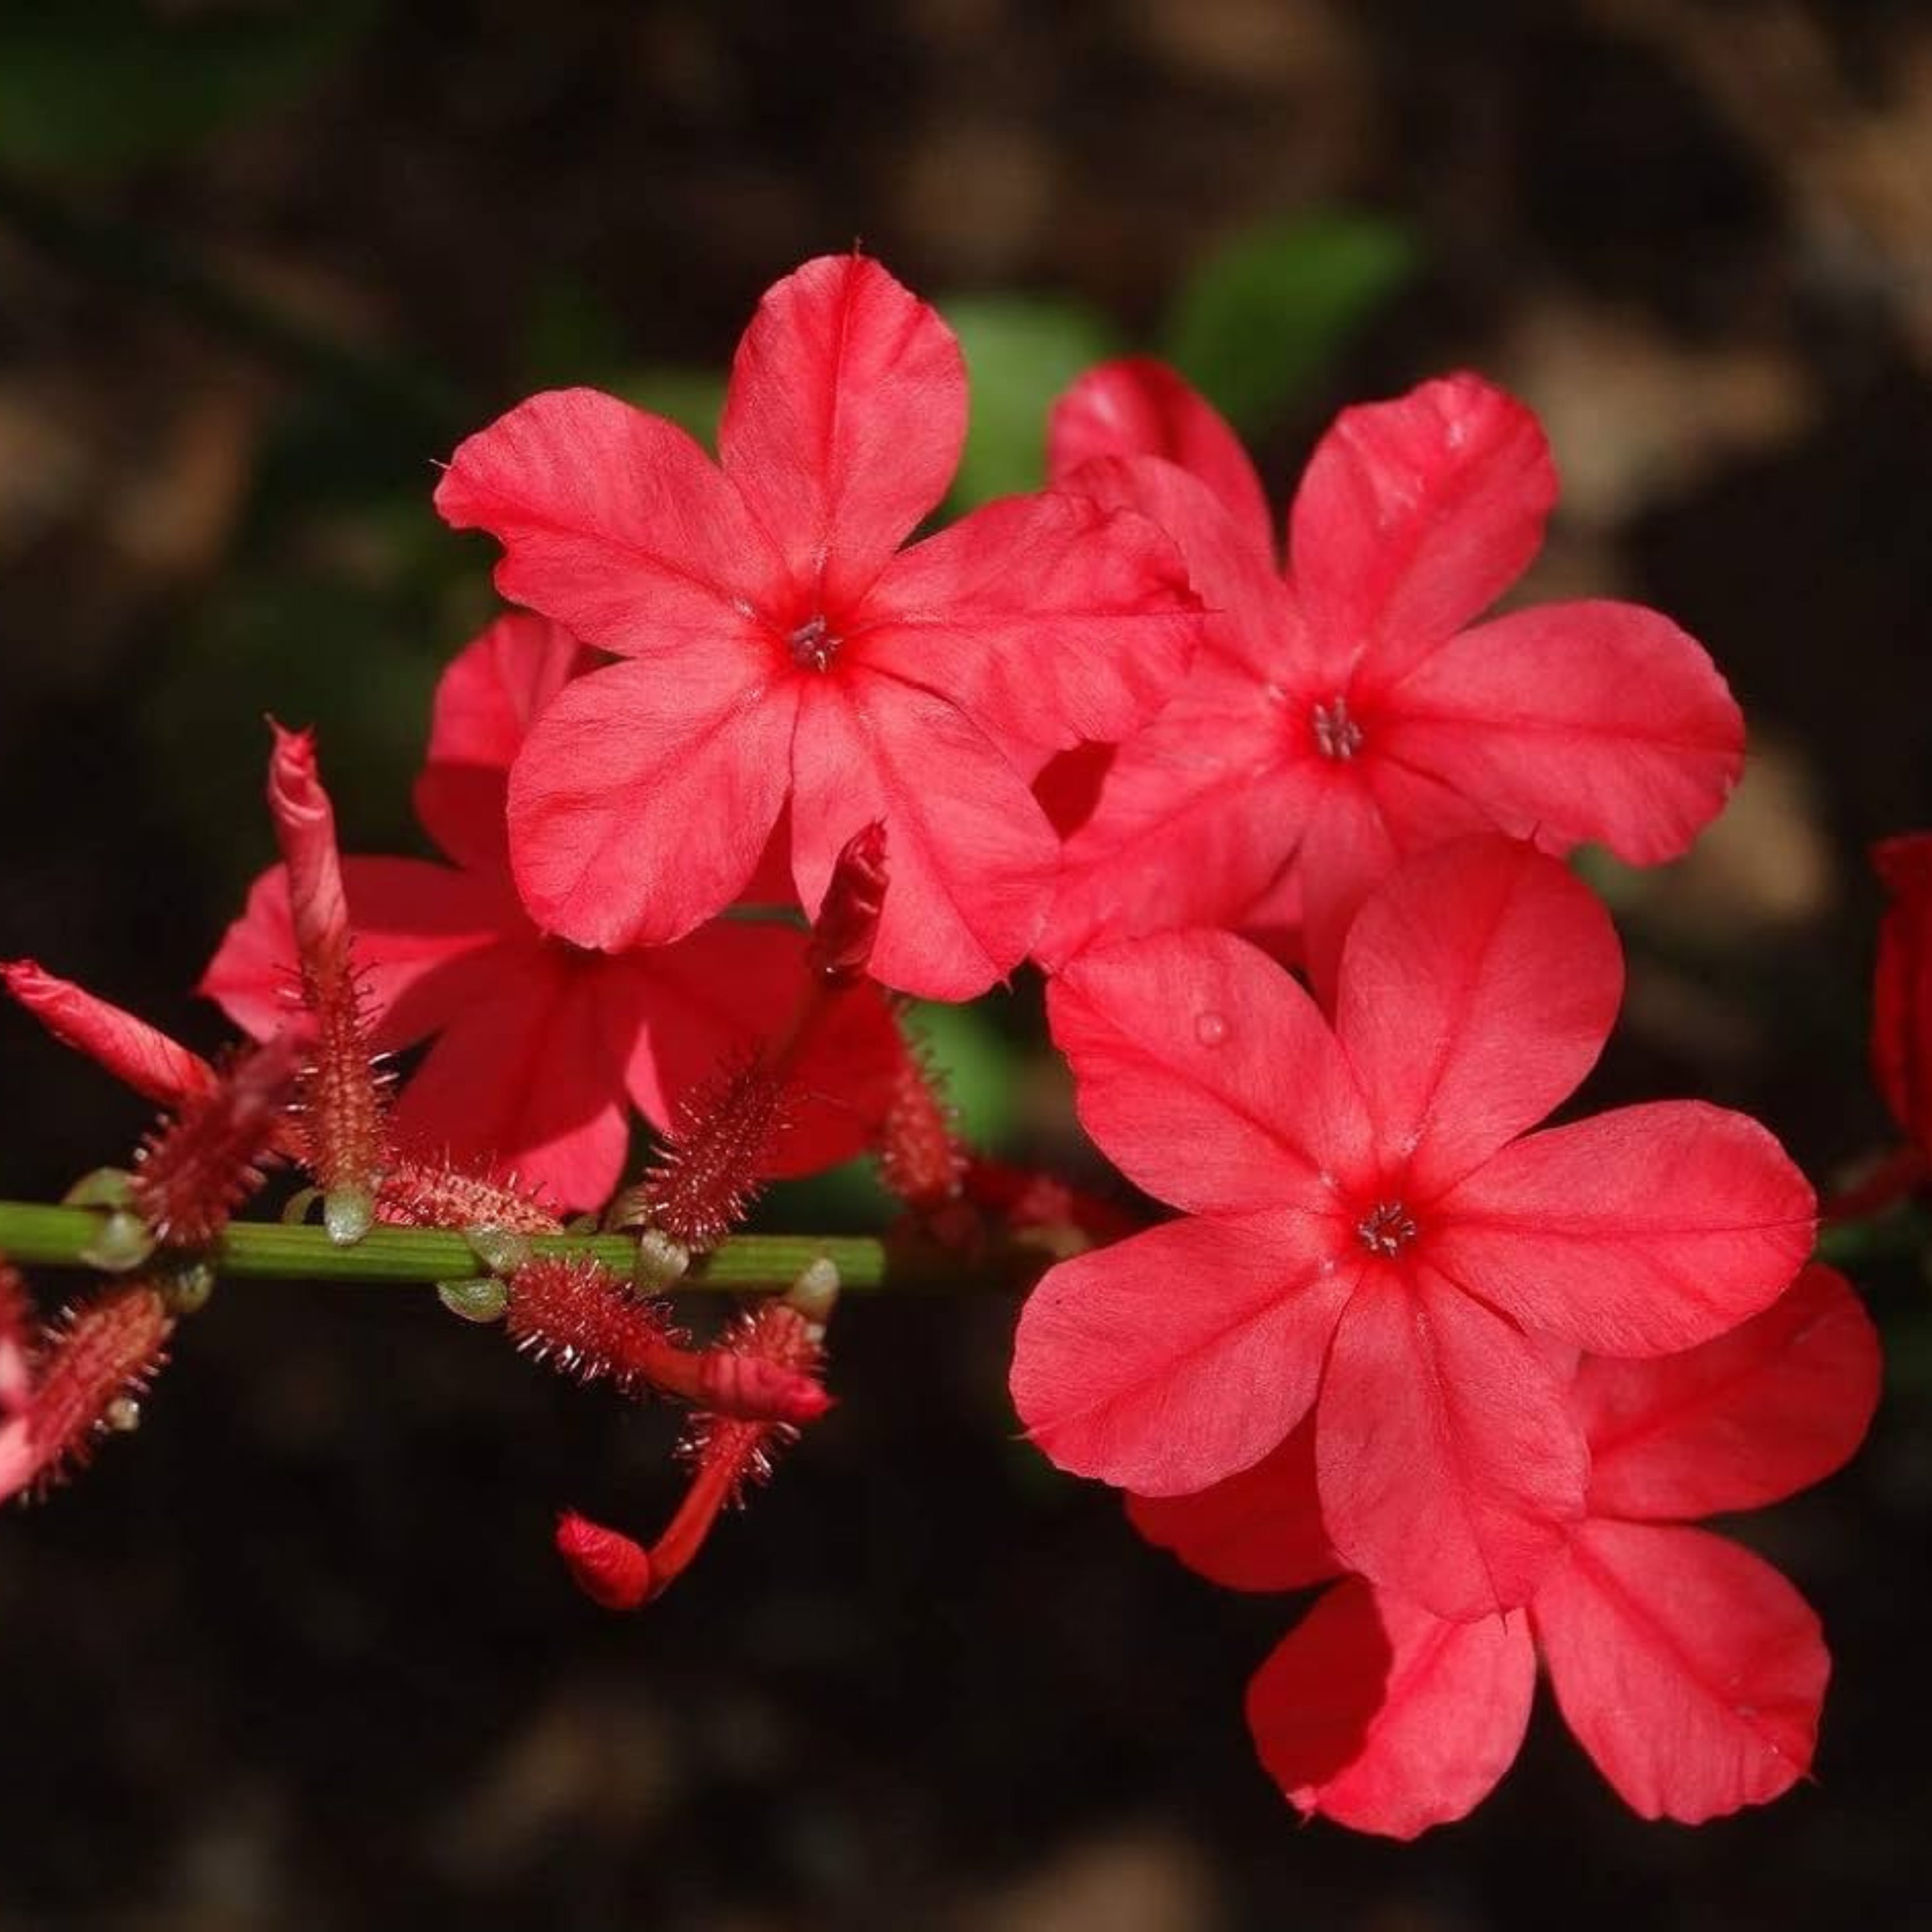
{"x":785,"y":656}
{"x":540,"y":1046}
{"x":1370,"y":1232}
{"x":1689,"y":1670}
{"x":1345,"y":716}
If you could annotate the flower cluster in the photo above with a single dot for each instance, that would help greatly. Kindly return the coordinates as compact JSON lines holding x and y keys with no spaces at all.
{"x":753,"y":758}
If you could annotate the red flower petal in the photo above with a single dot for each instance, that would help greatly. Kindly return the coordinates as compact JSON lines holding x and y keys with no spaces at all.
{"x":972,"y":853}
{"x":1760,"y":1413}
{"x":1386,"y":1719}
{"x":1207,"y":1075}
{"x":1477,"y":987}
{"x":1450,"y":1465}
{"x":1253,"y":620}
{"x":1689,"y":1668}
{"x":1638,"y":1232}
{"x":643,"y":797}
{"x":1138,"y":406}
{"x":410,"y":919}
{"x":614,"y":522}
{"x":1177,"y":1357}
{"x":525,"y":1076}
{"x":1589,"y":721}
{"x":486,"y":702}
{"x":1048,"y":619}
{"x":1195,"y":819}
{"x":844,"y":420}
{"x":1414,"y":515}
{"x":715,"y":998}
{"x":1364,"y":823}
{"x":1260,"y":1530}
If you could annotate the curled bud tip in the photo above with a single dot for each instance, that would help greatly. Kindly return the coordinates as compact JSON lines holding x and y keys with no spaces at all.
{"x":753,"y":1388}
{"x":605,"y":1564}
{"x":848,"y":917}
{"x":138,"y":1055}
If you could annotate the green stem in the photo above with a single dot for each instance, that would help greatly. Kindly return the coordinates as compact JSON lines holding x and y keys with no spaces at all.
{"x":31,"y":1232}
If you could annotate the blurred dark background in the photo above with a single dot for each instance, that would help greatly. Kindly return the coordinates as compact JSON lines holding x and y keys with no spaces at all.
{"x":298,"y":1655}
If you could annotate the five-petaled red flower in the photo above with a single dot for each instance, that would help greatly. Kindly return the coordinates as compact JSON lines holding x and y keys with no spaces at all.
{"x":1344,"y":717}
{"x":540,"y":1046}
{"x":1689,"y":1670}
{"x":783,"y":651}
{"x":1367,"y":1218}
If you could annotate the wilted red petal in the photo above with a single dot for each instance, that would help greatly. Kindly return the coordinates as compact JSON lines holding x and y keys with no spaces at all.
{"x":493,"y":691}
{"x":1385,"y":1719}
{"x":1208,"y":1075}
{"x":615,"y":524}
{"x":1138,"y":406}
{"x":1047,"y":619}
{"x":1449,"y":1465}
{"x":1757,"y":1415}
{"x":1260,"y":1530}
{"x":973,"y":855}
{"x":1637,"y":1232}
{"x":644,"y":795}
{"x":1689,"y":1668}
{"x":844,"y":419}
{"x":1477,"y":988}
{"x":1588,"y":720}
{"x":1414,"y":516}
{"x":1177,"y":1357}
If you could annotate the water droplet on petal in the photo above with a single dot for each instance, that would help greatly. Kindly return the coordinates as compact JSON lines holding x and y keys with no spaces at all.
{"x":1210,"y":1029}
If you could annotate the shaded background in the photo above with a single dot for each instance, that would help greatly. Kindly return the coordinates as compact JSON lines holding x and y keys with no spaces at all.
{"x":298,"y":1656}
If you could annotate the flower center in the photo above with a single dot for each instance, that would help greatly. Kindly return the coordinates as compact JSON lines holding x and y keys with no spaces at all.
{"x":812,"y":645}
{"x":1337,"y":736}
{"x":1387,"y":1229}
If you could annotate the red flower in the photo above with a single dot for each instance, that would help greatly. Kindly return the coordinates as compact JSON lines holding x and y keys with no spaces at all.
{"x":1363,"y":1220}
{"x":1901,"y":1038}
{"x":1344,"y":718}
{"x":540,"y":1046}
{"x":782,"y":649}
{"x":1689,"y":1670}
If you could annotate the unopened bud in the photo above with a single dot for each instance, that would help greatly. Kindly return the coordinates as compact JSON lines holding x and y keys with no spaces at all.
{"x":848,"y":924}
{"x":605,"y":1564}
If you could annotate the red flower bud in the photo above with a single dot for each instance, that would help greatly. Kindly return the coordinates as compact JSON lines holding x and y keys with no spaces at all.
{"x":604,"y":1563}
{"x":138,"y":1055}
{"x":848,"y":917}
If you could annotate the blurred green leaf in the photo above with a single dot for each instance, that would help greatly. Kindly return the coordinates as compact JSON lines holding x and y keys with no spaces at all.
{"x":980,"y":1069}
{"x":96,"y":86}
{"x":1259,"y":319}
{"x":1020,"y":352}
{"x":694,"y":399}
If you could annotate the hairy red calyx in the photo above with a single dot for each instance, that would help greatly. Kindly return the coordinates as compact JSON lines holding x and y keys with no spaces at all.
{"x":86,"y":1371}
{"x":192,"y":1172}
